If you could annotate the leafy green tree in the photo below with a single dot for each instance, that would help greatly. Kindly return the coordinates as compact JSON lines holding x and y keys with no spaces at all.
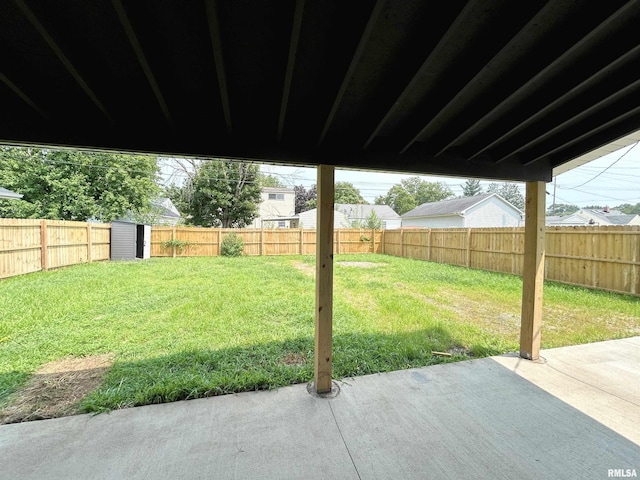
{"x":345,"y":192}
{"x":75,"y":185}
{"x":561,"y":209}
{"x":412,"y":192}
{"x":220,"y":194}
{"x":266,"y":180}
{"x":629,"y":209}
{"x":471,"y":188}
{"x":303,"y":197}
{"x":510,"y":192}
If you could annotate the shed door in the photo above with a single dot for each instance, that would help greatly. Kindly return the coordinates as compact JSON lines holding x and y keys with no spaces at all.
{"x":139,"y":241}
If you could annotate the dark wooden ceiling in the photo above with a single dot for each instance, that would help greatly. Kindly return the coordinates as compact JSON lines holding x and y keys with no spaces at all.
{"x":486,"y":88}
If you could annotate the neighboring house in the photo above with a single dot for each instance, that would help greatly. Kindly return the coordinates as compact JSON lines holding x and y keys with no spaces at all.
{"x":489,"y":210}
{"x":9,"y":195}
{"x":360,"y":213}
{"x":308,"y":219}
{"x":277,"y":209}
{"x":594,"y":217}
{"x":166,"y":211}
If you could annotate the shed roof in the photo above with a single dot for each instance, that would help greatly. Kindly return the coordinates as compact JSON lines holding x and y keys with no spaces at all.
{"x":496,"y":89}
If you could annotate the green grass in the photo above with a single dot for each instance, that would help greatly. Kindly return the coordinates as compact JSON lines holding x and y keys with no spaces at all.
{"x":193,"y":327}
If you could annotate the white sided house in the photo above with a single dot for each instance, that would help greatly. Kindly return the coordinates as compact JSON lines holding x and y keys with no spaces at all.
{"x":277,"y":209}
{"x":358,"y":214}
{"x":488,"y":210}
{"x":308,"y":219}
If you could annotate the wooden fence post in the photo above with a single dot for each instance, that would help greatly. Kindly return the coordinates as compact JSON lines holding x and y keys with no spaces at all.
{"x":384,"y":241}
{"x":402,"y":242}
{"x":173,"y":237}
{"x":338,"y":234}
{"x":373,"y":240}
{"x":262,"y":241}
{"x":89,"y":244}
{"x":44,"y":247}
{"x":468,"y":259}
{"x":429,"y":246}
{"x":301,"y":242}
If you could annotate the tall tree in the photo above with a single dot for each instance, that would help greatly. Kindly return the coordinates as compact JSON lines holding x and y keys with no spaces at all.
{"x":345,"y":192}
{"x":267,"y":180}
{"x":510,"y":192}
{"x":303,"y":197}
{"x":629,"y":209}
{"x":75,"y":185}
{"x":412,"y":192}
{"x":561,"y":209}
{"x":220,"y":194}
{"x":471,"y":188}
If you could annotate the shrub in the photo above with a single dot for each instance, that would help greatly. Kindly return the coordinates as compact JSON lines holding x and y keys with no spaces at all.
{"x":231,"y":246}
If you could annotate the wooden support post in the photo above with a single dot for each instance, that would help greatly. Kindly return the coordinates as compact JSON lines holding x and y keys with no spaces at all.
{"x":44,"y":245}
{"x":533,"y":273}
{"x":89,"y":244}
{"x":324,"y":279}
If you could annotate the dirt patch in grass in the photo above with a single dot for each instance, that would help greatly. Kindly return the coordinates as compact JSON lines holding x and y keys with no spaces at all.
{"x":361,"y":264}
{"x":56,"y":389}
{"x":305,"y":268}
{"x":294,"y":359}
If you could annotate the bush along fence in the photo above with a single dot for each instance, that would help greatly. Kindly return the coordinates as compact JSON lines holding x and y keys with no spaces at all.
{"x":31,"y":245}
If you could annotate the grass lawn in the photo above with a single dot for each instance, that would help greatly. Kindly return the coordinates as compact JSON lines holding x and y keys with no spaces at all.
{"x":193,"y":327}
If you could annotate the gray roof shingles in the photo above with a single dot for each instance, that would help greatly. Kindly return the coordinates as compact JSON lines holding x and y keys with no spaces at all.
{"x":446,"y":207}
{"x":353,"y":211}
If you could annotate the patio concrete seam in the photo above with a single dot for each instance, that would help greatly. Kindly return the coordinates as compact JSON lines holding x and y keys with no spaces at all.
{"x":343,"y":440}
{"x":590,"y":385}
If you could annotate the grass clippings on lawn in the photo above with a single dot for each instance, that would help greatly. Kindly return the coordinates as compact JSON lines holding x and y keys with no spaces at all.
{"x":195,"y":327}
{"x":56,"y":389}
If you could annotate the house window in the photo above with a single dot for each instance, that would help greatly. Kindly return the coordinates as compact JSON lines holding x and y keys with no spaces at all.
{"x":281,"y":224}
{"x":276,"y":196}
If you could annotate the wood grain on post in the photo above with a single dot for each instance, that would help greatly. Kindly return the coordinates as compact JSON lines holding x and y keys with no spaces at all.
{"x":324,"y":280}
{"x":533,"y":273}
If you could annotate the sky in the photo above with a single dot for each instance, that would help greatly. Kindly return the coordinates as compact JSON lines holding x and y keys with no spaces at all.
{"x":608,"y":181}
{"x":611,"y":180}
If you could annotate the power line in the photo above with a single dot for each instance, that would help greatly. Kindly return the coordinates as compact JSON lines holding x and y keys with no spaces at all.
{"x":615,"y":161}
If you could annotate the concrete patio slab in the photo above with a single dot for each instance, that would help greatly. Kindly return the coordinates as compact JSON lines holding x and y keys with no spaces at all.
{"x":575,"y":416}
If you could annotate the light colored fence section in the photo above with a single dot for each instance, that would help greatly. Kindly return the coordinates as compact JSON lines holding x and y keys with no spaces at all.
{"x":30,"y":245}
{"x":607,"y":258}
{"x":283,"y":241}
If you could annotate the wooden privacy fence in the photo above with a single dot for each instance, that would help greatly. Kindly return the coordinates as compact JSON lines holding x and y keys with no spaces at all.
{"x":283,"y":241}
{"x":606,"y":258}
{"x":30,"y":245}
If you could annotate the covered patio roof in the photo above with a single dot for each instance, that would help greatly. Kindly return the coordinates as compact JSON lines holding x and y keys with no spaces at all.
{"x":484,"y":88}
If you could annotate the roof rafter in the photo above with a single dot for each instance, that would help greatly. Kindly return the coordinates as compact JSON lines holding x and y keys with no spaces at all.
{"x":444,"y":42}
{"x":218,"y":57}
{"x":364,"y":39}
{"x":618,"y":95}
{"x":142,"y":59}
{"x":604,"y":72}
{"x":515,"y":97}
{"x":291,"y":63}
{"x":23,"y":96}
{"x":57,"y":50}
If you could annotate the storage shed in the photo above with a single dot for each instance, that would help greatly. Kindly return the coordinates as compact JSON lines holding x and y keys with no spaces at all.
{"x":130,"y":240}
